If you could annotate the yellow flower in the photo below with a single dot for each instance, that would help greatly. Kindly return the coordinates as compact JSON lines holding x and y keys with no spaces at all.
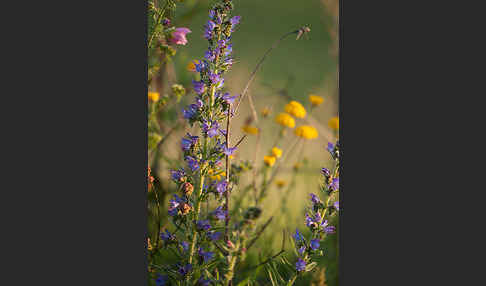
{"x":154,"y":96}
{"x":216,"y":177}
{"x":250,"y":129}
{"x":231,"y":157}
{"x":334,"y":123}
{"x":191,"y":66}
{"x":306,"y":132}
{"x":315,"y":100}
{"x":266,"y":111}
{"x":277,"y":152}
{"x":296,"y":109}
{"x":285,"y":120}
{"x":280,"y":183}
{"x":269,"y":160}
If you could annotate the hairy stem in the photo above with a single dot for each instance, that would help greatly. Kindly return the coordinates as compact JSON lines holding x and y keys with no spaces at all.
{"x":196,"y":216}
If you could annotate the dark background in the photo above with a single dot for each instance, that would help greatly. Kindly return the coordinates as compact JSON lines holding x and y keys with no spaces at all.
{"x":74,"y":125}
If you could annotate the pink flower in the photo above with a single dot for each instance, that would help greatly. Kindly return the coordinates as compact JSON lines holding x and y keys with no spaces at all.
{"x":179,"y":36}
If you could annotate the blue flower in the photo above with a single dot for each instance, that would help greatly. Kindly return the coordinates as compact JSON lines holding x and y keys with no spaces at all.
{"x":199,"y":87}
{"x":228,"y":151}
{"x":297,"y":236}
{"x":301,"y":250}
{"x":228,"y":98}
{"x":330,"y":229}
{"x":191,"y":111}
{"x":186,"y":144}
{"x":183,"y":270}
{"x":334,"y":186}
{"x":219,"y":213}
{"x":215,"y":78}
{"x":315,"y":199}
{"x":185,"y":246}
{"x":178,"y":175}
{"x":161,"y":280}
{"x":213,"y":131}
{"x":174,"y":205}
{"x":221,"y":187}
{"x":326,"y":172}
{"x":205,"y":255}
{"x":192,"y":162}
{"x":330,"y":147}
{"x":214,"y":235}
{"x":314,"y":244}
{"x":336,"y":205}
{"x":200,"y":66}
{"x":300,"y":265}
{"x":209,"y":55}
{"x":229,"y":50}
{"x":167,"y":236}
{"x":235,"y":20}
{"x":203,"y":225}
{"x":203,"y":282}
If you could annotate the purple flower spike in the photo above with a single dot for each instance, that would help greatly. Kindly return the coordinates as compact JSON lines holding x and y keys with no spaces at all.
{"x":300,"y":265}
{"x":314,"y":244}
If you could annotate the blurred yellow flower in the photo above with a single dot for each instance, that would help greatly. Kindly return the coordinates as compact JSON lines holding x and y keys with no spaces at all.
{"x":334,"y":123}
{"x":250,"y":129}
{"x":306,"y":132}
{"x":191,"y":66}
{"x":266,"y":111}
{"x":231,"y":157}
{"x":216,"y":177}
{"x":154,"y":96}
{"x":280,"y":183}
{"x":296,"y":109}
{"x":277,"y":152}
{"x":316,"y":100}
{"x":269,"y":160}
{"x":285,"y":120}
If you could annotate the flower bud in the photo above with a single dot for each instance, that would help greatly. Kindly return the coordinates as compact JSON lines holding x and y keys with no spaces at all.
{"x":185,"y":208}
{"x":187,"y":189}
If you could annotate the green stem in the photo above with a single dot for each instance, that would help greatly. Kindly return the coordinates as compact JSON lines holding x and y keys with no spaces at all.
{"x":196,"y":215}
